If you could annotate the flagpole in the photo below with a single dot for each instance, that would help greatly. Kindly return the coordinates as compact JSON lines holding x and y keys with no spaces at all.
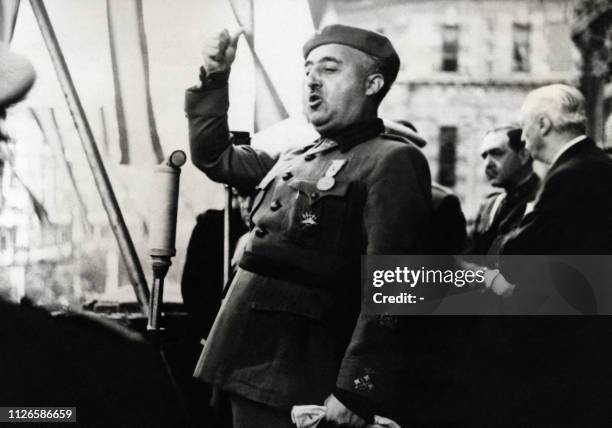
{"x":269,"y":108}
{"x":8,"y":11}
{"x":226,"y":236}
{"x":115,"y":218}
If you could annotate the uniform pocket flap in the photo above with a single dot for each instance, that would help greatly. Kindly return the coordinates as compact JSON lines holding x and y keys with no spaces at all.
{"x":309,"y":187}
{"x":294,"y":300}
{"x":262,"y":189}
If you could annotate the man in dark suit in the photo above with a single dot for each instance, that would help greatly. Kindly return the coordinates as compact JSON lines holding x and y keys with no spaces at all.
{"x":509,"y":166}
{"x":571,"y":213}
{"x":563,"y":362}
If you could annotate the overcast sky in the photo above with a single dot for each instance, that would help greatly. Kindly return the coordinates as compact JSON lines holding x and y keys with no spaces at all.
{"x":175,"y":30}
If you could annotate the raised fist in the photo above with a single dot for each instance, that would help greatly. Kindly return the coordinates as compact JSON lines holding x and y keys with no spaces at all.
{"x":219,"y":51}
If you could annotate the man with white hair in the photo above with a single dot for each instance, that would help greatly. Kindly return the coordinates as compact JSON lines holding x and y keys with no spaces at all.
{"x":555,"y":367}
{"x":572,"y":212}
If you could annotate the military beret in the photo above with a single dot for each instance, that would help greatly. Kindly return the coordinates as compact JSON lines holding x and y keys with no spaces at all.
{"x":370,"y":42}
{"x":16,"y":76}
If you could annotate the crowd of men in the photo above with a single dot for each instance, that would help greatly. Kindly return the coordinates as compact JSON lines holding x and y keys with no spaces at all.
{"x":290,"y":331}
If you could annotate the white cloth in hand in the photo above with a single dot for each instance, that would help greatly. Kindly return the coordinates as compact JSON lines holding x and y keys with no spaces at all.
{"x":309,"y":416}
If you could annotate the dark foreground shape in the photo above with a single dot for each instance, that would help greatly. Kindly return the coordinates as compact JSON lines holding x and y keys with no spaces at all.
{"x":108,"y":373}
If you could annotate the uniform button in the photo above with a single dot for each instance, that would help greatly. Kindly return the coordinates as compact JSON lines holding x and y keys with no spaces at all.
{"x":275,"y":205}
{"x":309,"y":157}
{"x":260,"y":232}
{"x":287,"y":175}
{"x":314,"y":195}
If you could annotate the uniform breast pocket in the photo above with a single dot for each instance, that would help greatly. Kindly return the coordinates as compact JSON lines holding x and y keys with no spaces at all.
{"x":317,"y":217}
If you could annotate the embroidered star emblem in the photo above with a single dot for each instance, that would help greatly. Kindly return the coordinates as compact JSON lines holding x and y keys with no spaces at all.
{"x":309,"y":219}
{"x":363,"y":383}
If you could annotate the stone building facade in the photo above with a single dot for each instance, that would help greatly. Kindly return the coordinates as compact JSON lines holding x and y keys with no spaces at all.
{"x":467,"y":66}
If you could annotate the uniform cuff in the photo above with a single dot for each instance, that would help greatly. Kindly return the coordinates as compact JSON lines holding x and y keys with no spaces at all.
{"x":357,"y":404}
{"x":207,"y":102}
{"x":215,"y":80}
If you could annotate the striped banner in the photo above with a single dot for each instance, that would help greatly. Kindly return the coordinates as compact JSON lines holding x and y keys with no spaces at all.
{"x":138,"y":138}
{"x":8,"y":18}
{"x":317,"y":11}
{"x":269,"y":108}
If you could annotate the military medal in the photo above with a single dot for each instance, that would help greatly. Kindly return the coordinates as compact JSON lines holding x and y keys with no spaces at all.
{"x":328,"y":182}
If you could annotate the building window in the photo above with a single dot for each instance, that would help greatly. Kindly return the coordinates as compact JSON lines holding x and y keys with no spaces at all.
{"x":521,"y":47}
{"x":7,"y":239}
{"x":450,"y":47}
{"x":447,"y":157}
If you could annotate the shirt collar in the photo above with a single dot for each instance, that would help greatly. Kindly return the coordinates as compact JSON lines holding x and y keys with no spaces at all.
{"x":357,"y":133}
{"x":567,"y":146}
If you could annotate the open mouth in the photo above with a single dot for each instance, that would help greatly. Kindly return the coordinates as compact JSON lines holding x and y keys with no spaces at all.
{"x":314,"y":101}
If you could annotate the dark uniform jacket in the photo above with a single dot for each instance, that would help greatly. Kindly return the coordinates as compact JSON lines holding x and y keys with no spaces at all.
{"x":500,"y":214}
{"x":290,"y":330}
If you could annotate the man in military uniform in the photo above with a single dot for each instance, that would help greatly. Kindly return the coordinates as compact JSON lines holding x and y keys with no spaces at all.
{"x":290,"y":330}
{"x":509,"y":166}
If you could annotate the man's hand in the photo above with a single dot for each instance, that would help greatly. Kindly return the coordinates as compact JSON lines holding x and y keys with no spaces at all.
{"x":496,"y":282}
{"x":219,"y":51}
{"x":340,"y":414}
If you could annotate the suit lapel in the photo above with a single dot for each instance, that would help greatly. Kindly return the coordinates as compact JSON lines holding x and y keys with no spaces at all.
{"x":577,"y":150}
